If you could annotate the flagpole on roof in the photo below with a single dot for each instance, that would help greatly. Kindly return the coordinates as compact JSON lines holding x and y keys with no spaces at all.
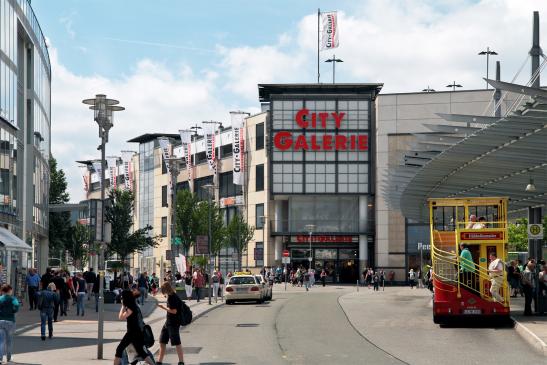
{"x":318,"y":41}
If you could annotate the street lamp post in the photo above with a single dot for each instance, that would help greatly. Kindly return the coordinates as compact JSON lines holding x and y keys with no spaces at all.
{"x":103,"y":114}
{"x":310,"y":228}
{"x":453,"y":85}
{"x":210,"y":189}
{"x":334,"y":61}
{"x":488,"y":52}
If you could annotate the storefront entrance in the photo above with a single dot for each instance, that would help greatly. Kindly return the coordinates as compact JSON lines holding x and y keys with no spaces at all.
{"x":340,"y":264}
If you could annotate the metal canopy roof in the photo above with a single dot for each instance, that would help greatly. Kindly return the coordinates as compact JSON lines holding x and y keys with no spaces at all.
{"x":498,"y":159}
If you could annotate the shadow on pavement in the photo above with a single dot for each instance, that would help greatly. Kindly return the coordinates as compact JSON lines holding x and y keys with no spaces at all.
{"x":25,"y":344}
{"x":480,"y":323}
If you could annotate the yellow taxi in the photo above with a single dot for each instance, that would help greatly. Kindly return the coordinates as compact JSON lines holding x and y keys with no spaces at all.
{"x":243,"y":286}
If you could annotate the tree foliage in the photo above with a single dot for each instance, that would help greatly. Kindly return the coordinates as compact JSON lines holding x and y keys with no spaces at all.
{"x":186,"y":226}
{"x":125,"y":240}
{"x":218,"y":229}
{"x":238,"y":235}
{"x":57,"y":184}
{"x":59,"y":222}
{"x":78,"y":248}
{"x":518,"y":235}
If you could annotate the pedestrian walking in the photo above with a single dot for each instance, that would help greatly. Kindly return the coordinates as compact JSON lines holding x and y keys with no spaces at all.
{"x":311,"y":271}
{"x":412,"y":278}
{"x":142,"y":284}
{"x":216,"y":285}
{"x":306,"y":278}
{"x":495,"y":271}
{"x":90,"y":278}
{"x":170,"y":330}
{"x":154,"y":283}
{"x":376,"y":281}
{"x":323,"y":277}
{"x":382,"y":275}
{"x":198,"y":282}
{"x":33,"y":285}
{"x":187,"y":277}
{"x":80,"y":288}
{"x":528,"y":286}
{"x":47,"y":299}
{"x":46,"y":278}
{"x":130,"y":313}
{"x":9,"y":305}
{"x":60,"y":285}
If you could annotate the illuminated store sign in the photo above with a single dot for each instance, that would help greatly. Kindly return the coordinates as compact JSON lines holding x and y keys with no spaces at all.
{"x":285,"y":140}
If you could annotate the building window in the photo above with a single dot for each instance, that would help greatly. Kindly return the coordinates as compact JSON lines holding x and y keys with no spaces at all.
{"x":164,"y":196}
{"x":259,"y":209}
{"x":259,"y":179}
{"x":202,"y":193}
{"x":259,"y":254}
{"x":164,"y":226}
{"x":163,"y":166}
{"x":227,"y":187}
{"x":259,"y":129}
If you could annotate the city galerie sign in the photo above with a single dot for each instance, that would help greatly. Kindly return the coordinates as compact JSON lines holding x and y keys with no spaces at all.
{"x":285,"y":140}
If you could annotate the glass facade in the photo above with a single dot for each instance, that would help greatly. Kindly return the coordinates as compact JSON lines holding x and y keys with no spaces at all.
{"x":146,"y":187}
{"x":339,"y":168}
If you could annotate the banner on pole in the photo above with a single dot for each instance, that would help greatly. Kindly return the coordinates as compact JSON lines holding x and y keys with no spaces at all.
{"x":127,"y":169}
{"x":329,"y":30}
{"x":165,"y":146}
{"x":186,"y":139}
{"x":238,"y":146}
{"x":210,"y":145}
{"x":85,"y":175}
{"x":97,"y":166}
{"x":113,"y":171}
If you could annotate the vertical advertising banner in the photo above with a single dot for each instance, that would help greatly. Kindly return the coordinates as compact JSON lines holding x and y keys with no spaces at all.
{"x":238,"y":146}
{"x":113,"y":170}
{"x":329,"y":30}
{"x":98,"y":170}
{"x":210,"y":145}
{"x":165,"y":150}
{"x":186,"y":139}
{"x":127,"y":170}
{"x":85,"y":175}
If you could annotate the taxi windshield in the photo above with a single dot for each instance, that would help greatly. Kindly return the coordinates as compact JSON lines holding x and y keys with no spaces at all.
{"x":239,"y":280}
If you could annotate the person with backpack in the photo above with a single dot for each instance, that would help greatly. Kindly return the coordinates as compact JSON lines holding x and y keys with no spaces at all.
{"x":47,"y":299}
{"x":131,"y":313}
{"x":170,"y":330}
{"x":9,"y":305}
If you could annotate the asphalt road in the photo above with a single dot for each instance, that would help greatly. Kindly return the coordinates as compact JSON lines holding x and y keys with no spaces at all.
{"x":298,"y":327}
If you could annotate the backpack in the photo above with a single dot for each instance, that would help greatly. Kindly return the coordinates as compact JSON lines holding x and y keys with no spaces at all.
{"x":147,"y":334}
{"x":184,"y":313}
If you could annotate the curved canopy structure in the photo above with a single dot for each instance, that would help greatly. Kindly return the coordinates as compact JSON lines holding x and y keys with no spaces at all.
{"x":491,"y":156}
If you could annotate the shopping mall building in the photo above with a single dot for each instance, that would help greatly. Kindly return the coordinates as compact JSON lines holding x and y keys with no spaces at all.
{"x":25,"y":120}
{"x":317,"y":158}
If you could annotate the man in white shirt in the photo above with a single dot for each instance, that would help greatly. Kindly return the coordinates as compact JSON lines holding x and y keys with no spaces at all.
{"x":495,"y":270}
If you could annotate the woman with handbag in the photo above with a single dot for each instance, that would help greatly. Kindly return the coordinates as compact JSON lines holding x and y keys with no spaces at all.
{"x":134,"y":335}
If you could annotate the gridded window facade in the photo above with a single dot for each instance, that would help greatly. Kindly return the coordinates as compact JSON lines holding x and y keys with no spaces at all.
{"x":343,"y":166}
{"x":146,"y":188}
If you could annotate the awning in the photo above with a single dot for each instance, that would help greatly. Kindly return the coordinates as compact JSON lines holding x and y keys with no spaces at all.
{"x":12,"y":242}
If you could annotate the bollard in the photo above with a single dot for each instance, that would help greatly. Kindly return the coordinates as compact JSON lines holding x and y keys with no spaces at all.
{"x":357,"y":285}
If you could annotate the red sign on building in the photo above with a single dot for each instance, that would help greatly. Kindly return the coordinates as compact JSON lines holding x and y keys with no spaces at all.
{"x":302,"y":238}
{"x":481,"y":236}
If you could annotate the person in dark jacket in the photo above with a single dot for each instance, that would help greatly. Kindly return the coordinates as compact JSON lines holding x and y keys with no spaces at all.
{"x":142,"y":283}
{"x":46,"y":278}
{"x":60,"y":284}
{"x":9,"y":305}
{"x":47,"y":300}
{"x":170,"y":330}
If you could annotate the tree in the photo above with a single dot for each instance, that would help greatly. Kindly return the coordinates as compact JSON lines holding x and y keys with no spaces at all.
{"x":59,"y":222}
{"x":125,"y":241}
{"x":185,"y":222}
{"x":218,"y":230}
{"x":518,"y":235}
{"x":238,"y":235}
{"x":78,"y":247}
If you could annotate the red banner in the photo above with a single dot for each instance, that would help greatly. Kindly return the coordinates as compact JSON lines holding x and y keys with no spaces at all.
{"x":481,"y":236}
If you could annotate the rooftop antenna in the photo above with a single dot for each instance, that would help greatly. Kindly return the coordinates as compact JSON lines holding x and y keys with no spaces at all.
{"x":536,"y":51}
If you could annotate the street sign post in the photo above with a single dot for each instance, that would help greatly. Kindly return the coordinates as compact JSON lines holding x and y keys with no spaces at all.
{"x":285,"y":260}
{"x":202,"y":245}
{"x":285,"y":253}
{"x":535,"y":231}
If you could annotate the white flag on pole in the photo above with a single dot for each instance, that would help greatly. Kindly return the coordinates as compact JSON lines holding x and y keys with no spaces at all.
{"x":186,"y":138}
{"x":113,"y":171}
{"x":238,"y":146}
{"x":329,"y":30}
{"x":127,"y":169}
{"x":97,"y":166}
{"x":85,"y":175}
{"x":210,"y":145}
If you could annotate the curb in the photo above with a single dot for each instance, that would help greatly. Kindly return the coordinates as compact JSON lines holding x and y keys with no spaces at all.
{"x":528,"y":336}
{"x":154,"y":349}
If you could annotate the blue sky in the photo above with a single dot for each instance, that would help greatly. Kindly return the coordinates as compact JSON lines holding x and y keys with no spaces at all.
{"x":175,"y":63}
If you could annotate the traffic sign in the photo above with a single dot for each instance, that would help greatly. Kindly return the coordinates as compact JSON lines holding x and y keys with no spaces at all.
{"x":535,"y":231}
{"x":285,"y":260}
{"x":285,"y":253}
{"x":202,"y":245}
{"x":177,"y":241}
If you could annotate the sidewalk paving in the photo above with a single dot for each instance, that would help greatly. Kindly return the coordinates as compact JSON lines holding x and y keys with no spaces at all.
{"x":533,"y":329}
{"x":75,"y":338}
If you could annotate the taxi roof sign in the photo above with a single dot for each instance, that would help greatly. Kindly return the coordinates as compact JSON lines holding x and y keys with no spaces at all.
{"x":237,"y":273}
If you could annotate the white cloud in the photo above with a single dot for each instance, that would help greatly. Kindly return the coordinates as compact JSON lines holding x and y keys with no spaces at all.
{"x":406,"y":45}
{"x":68,"y":21}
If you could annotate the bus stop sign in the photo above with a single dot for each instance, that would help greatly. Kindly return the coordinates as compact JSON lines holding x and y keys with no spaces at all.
{"x":535,"y":231}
